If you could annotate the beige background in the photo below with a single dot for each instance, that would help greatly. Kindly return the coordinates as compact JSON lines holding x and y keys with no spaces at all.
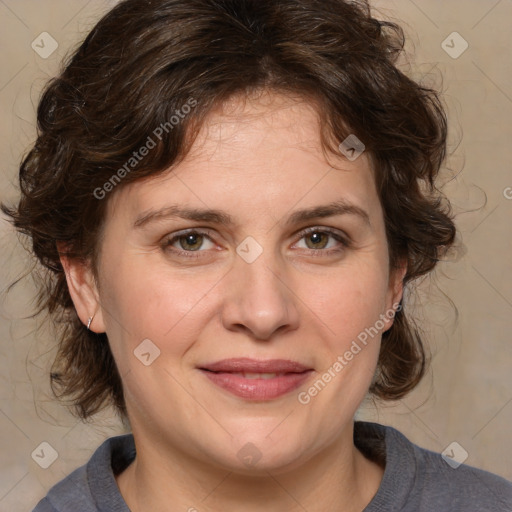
{"x":467,"y":396}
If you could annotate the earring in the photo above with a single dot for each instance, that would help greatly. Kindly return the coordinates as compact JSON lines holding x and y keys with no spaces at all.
{"x":89,"y":321}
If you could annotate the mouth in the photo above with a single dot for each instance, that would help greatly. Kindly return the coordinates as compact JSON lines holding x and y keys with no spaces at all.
{"x":253,"y":379}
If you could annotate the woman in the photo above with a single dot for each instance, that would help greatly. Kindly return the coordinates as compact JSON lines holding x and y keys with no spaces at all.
{"x":229,"y":197}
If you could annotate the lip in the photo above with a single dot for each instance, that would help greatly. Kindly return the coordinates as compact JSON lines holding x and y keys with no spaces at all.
{"x":246,"y":364}
{"x":228,"y":375}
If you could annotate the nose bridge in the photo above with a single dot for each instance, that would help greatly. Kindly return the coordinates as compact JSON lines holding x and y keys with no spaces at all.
{"x":258,"y":299}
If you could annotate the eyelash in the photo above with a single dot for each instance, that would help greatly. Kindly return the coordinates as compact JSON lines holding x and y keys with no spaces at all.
{"x":345,"y":242}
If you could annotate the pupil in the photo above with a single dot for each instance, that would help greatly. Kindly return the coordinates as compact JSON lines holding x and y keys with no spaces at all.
{"x":316,"y":238}
{"x":192,"y":240}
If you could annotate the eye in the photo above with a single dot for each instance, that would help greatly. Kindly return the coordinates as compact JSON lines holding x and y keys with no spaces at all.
{"x":324,"y":241}
{"x":185,"y":243}
{"x":318,"y":242}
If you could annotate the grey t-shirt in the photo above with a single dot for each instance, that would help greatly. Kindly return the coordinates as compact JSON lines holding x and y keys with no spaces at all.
{"x":415,"y":479}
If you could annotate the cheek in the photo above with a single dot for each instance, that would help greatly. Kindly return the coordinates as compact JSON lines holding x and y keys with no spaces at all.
{"x":143,"y":300}
{"x":146,"y":298}
{"x":351,"y":300}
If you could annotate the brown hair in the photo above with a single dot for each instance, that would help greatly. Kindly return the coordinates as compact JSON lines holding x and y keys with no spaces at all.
{"x":134,"y":73}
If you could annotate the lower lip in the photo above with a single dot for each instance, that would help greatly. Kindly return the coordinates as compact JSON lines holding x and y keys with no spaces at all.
{"x":258,"y":389}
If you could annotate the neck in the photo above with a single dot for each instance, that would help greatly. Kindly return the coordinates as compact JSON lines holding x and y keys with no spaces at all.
{"x":339,"y":478}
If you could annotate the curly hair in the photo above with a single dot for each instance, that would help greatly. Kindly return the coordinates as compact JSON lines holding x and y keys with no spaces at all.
{"x":138,"y":67}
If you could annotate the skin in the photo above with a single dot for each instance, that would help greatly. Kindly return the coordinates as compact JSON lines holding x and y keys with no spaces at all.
{"x":259,"y":160}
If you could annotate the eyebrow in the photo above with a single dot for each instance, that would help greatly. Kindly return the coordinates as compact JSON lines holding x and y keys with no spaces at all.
{"x":340,"y":207}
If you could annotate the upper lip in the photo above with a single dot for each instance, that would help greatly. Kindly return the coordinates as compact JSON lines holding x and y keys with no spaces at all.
{"x":248,"y":365}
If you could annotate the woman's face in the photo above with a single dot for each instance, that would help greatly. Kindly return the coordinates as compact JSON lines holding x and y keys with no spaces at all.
{"x":251,"y":276}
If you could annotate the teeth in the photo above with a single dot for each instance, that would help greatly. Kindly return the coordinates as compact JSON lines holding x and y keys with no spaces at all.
{"x":257,"y":375}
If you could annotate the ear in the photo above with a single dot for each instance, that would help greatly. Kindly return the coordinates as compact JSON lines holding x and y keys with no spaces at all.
{"x":83,"y":290}
{"x":395,"y":289}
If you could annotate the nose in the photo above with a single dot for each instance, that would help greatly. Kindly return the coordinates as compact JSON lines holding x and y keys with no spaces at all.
{"x":258,"y":300}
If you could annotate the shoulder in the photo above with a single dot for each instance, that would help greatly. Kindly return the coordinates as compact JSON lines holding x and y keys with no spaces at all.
{"x":462,"y":486}
{"x":71,"y":491}
{"x":416,"y":479}
{"x":93,"y":482}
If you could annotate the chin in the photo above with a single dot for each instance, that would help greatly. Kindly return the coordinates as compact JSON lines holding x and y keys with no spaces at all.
{"x":257,"y":454}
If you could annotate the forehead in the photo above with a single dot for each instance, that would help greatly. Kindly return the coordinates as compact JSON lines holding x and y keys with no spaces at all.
{"x":263,"y":120}
{"x":268,"y":147}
